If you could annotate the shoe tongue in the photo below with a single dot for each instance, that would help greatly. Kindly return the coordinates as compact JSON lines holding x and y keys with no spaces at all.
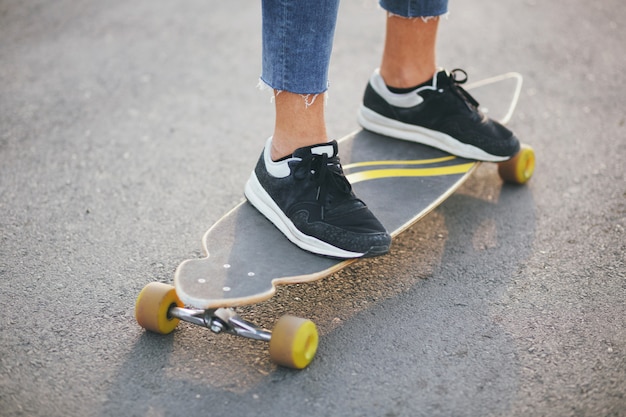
{"x":330,"y":149}
{"x":443,"y":78}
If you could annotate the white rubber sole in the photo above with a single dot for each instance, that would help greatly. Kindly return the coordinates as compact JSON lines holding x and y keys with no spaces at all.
{"x":259,"y":198}
{"x":377,"y":123}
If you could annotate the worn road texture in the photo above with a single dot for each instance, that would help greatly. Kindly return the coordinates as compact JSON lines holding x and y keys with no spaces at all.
{"x":128,"y":128}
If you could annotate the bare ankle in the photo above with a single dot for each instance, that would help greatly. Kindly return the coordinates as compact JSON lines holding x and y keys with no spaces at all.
{"x":299,"y":122}
{"x":406,"y":78}
{"x":285,"y":145}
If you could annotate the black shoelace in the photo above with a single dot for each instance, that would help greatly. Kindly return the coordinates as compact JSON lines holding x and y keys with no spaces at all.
{"x":457,"y":77}
{"x":328,"y":177}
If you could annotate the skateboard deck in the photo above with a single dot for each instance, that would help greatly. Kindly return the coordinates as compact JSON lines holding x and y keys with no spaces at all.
{"x":247,"y":257}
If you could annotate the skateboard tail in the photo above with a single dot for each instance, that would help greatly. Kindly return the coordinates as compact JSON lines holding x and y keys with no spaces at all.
{"x":491,"y":83}
{"x":204,"y":283}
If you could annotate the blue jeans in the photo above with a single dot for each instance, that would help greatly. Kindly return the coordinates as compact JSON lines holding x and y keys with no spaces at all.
{"x":298,"y":39}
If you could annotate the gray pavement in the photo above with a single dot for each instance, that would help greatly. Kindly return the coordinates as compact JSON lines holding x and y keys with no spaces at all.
{"x":128,"y":128}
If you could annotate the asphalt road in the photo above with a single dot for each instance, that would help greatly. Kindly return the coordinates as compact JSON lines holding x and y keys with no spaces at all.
{"x":128,"y":128}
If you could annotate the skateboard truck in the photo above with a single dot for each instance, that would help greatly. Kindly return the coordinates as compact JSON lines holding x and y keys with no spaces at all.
{"x":292,"y":343}
{"x":221,"y":320}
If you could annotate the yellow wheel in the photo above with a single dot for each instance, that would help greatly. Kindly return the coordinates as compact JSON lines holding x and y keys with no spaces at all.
{"x":294,"y":342}
{"x":152,"y":307}
{"x":520,"y":168}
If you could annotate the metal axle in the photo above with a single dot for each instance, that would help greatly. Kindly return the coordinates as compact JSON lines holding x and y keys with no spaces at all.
{"x":221,"y":320}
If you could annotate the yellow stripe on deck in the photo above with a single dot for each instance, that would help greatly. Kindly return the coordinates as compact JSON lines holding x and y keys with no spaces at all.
{"x":414,"y":162}
{"x":408,"y":172}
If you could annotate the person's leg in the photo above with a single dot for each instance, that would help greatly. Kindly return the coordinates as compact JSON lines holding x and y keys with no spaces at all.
{"x":409,"y":54}
{"x":298,"y":182}
{"x":407,"y":98}
{"x":297,"y":43}
{"x":299,"y":122}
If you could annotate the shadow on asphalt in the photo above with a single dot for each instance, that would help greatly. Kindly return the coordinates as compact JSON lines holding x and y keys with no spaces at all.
{"x":416,"y":330}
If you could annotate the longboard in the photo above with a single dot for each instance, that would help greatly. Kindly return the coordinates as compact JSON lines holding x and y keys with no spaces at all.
{"x":246,"y":257}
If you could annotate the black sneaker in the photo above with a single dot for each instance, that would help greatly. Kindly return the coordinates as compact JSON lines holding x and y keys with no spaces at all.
{"x":438,"y":113}
{"x":310,"y":200}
